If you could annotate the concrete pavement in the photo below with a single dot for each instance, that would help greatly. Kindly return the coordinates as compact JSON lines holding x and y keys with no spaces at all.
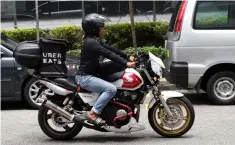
{"x":213,"y":125}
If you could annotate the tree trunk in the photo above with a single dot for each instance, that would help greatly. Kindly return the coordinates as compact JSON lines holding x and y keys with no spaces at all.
{"x":132,"y":23}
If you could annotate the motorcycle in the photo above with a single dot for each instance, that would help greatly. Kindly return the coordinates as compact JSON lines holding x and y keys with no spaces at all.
{"x":170,"y":113}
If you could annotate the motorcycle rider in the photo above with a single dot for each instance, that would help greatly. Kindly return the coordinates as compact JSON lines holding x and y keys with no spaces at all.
{"x":93,"y":48}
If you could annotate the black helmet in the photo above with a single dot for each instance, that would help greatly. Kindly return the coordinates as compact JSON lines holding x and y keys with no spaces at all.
{"x":92,"y":22}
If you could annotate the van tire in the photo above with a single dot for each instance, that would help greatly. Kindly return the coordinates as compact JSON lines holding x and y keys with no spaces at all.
{"x":225,"y":78}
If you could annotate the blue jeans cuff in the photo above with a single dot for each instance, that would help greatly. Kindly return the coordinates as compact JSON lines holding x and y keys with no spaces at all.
{"x":96,"y":111}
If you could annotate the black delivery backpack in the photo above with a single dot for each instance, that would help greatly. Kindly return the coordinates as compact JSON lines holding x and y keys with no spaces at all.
{"x":46,"y":56}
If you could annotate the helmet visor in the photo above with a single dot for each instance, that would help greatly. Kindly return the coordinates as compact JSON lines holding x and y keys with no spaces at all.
{"x":104,"y":18}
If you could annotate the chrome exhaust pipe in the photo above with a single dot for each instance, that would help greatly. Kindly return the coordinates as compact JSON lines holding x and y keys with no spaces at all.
{"x":58,"y":110}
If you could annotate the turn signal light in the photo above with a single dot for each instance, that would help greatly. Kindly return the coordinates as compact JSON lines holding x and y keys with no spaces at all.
{"x":155,"y":78}
{"x":78,"y":88}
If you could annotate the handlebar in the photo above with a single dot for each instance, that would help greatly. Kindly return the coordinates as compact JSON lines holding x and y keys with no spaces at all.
{"x":141,"y":59}
{"x":137,"y":63}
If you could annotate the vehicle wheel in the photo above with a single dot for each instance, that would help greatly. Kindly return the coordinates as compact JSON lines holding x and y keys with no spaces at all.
{"x":221,"y":88}
{"x":30,"y":92}
{"x":55,"y":126}
{"x":182,"y":121}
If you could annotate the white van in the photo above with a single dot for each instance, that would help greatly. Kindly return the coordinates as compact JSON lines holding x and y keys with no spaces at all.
{"x":201,"y":48}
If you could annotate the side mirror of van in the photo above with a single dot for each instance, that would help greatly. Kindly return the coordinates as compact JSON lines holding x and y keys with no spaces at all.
{"x":169,"y":5}
{"x":165,"y":37}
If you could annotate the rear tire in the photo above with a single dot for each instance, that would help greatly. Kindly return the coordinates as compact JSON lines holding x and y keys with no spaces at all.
{"x":50,"y":132}
{"x":218,"y":85}
{"x":172,"y":133}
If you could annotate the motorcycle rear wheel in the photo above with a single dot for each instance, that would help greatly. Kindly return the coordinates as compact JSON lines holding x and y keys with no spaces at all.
{"x":153,"y":115}
{"x":68,"y":134}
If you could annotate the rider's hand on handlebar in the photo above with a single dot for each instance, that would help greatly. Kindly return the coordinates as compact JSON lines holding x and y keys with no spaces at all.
{"x":131,"y":64}
{"x":131,"y":58}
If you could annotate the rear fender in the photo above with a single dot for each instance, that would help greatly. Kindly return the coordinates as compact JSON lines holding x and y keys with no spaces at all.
{"x":166,"y":95}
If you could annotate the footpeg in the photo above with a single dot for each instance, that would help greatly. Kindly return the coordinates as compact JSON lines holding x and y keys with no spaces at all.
{"x":39,"y":100}
{"x":79,"y":118}
{"x":132,"y":126}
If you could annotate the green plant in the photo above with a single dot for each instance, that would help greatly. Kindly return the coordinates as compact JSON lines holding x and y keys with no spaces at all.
{"x":22,"y":34}
{"x":158,"y":51}
{"x":76,"y":52}
{"x":147,"y":34}
{"x":160,"y":29}
{"x":72,"y":33}
{"x":119,"y":35}
{"x":76,"y":46}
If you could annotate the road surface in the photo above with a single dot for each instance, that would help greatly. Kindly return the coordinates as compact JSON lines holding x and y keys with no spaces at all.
{"x":214,"y":125}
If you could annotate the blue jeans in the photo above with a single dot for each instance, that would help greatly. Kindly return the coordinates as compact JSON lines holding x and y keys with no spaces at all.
{"x":94,"y":84}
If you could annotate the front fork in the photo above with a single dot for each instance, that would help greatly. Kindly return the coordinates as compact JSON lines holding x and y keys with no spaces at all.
{"x":157,"y":95}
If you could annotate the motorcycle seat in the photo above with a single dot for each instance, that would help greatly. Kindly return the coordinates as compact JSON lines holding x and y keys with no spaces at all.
{"x":114,"y":76}
{"x":69,"y":83}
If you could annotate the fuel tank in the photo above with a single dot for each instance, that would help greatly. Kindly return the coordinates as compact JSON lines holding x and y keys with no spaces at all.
{"x":131,"y":80}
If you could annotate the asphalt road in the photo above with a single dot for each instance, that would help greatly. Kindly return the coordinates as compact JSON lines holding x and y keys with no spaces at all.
{"x":214,"y":125}
{"x":47,"y":24}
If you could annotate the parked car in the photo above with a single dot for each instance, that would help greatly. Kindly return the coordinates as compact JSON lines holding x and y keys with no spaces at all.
{"x":201,"y":48}
{"x":16,"y":82}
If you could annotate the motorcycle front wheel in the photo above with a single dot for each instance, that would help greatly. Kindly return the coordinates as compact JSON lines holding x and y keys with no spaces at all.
{"x":55,"y":126}
{"x":176,"y":126}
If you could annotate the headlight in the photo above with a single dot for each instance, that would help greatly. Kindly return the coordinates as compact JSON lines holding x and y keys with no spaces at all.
{"x":156,"y":69}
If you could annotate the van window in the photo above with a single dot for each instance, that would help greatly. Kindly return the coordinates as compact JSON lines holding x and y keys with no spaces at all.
{"x":214,"y":15}
{"x":174,"y":16}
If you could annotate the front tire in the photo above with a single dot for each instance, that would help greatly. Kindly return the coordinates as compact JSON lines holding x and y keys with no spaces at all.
{"x":68,"y":134}
{"x":153,"y":115}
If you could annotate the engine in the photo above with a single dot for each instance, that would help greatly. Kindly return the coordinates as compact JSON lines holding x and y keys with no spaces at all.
{"x":114,"y":112}
{"x":127,"y":97}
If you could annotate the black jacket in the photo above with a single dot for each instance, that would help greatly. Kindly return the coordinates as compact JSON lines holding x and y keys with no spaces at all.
{"x":92,"y":50}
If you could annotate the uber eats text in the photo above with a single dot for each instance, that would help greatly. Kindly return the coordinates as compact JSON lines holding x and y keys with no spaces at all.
{"x":49,"y":58}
